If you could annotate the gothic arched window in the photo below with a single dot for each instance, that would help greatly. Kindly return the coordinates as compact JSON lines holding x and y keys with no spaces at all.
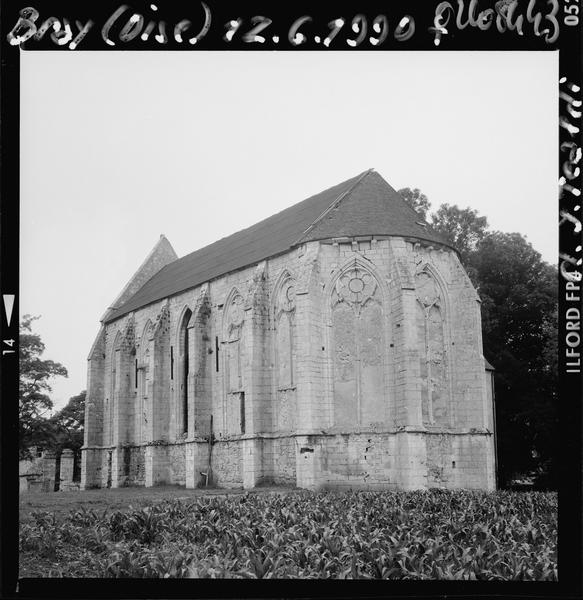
{"x":233,"y":338}
{"x":432,"y":359}
{"x":233,"y":360}
{"x":284,"y":315}
{"x":183,"y":369}
{"x":358,"y":348}
{"x":143,"y":383}
{"x":114,"y":392}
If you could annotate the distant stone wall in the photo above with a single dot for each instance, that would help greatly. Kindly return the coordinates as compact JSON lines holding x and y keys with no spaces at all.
{"x":39,"y":473}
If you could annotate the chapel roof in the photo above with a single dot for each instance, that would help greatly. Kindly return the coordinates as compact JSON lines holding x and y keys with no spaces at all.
{"x":364,"y":205}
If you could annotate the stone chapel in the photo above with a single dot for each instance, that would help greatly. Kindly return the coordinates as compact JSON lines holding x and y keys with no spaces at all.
{"x":336,"y":344}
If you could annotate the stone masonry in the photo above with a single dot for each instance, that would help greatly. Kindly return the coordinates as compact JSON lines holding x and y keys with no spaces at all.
{"x":350,"y":358}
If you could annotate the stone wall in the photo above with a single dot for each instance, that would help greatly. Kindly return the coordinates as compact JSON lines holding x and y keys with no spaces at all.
{"x":177,"y":463}
{"x":283,"y":459}
{"x":134,"y":465}
{"x":227,"y":464}
{"x":37,"y":473}
{"x":48,"y":472}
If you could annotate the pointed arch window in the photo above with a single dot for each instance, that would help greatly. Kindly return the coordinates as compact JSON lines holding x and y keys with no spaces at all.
{"x":233,"y":361}
{"x":432,"y":350}
{"x":234,"y":336}
{"x":284,"y":317}
{"x":144,"y":375}
{"x":358,"y":348}
{"x":115,"y":386}
{"x":183,"y":369}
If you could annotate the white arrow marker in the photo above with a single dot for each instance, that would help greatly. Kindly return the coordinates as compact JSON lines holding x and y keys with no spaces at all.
{"x":8,"y":305}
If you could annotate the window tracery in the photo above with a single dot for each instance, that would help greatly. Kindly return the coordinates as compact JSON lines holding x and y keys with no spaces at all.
{"x":143,"y":380}
{"x":234,"y":330}
{"x":355,"y":287}
{"x":284,"y":332}
{"x":358,"y":348}
{"x":432,"y":349}
{"x":115,"y":386}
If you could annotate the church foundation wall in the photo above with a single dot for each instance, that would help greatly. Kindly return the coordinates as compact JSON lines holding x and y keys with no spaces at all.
{"x":362,"y":461}
{"x":280,"y":455}
{"x":106,"y":459}
{"x":196,"y":463}
{"x":134,"y":465}
{"x":177,"y":463}
{"x":91,"y":468}
{"x":399,"y":460}
{"x":227,"y":464}
{"x":460,"y":460}
{"x":157,"y":465}
{"x":117,"y":471}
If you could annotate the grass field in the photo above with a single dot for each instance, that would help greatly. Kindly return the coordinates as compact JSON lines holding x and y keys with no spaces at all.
{"x":173,"y":532}
{"x":118,"y":498}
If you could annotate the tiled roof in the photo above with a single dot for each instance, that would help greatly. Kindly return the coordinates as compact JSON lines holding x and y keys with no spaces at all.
{"x":363,"y":205}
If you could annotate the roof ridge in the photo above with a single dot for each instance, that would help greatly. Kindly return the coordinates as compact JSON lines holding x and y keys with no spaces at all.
{"x":334,"y":204}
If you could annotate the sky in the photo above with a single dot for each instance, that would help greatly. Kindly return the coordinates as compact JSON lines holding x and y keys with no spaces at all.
{"x":120,"y":147}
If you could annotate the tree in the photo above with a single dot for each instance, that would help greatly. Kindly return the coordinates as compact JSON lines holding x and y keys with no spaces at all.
{"x":416,"y":199}
{"x":462,"y":227}
{"x":519,"y":314}
{"x":34,"y":387}
{"x":68,"y":424}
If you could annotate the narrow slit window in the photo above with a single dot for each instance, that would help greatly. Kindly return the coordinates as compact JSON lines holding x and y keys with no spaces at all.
{"x":242,"y":401}
{"x":171,"y":362}
{"x":182,"y":373}
{"x":185,"y":380}
{"x":216,"y":354}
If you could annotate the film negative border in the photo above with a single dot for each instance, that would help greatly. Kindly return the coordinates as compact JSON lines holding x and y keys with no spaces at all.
{"x":469,"y":25}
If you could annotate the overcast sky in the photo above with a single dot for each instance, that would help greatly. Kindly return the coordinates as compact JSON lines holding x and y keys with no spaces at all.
{"x":119,"y":147}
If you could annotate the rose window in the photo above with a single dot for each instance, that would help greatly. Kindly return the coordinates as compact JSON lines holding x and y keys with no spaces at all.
{"x":355,"y":287}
